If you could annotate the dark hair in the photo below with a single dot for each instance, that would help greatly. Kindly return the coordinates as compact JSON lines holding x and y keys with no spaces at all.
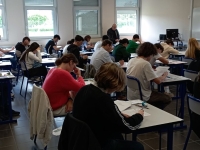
{"x":70,"y":41}
{"x":147,"y":49}
{"x":136,"y":36}
{"x":169,"y":41}
{"x":159,"y":46}
{"x":26,"y":38}
{"x":106,"y":42}
{"x":78,"y":38}
{"x":56,"y":36}
{"x":87,"y":37}
{"x":31,"y":48}
{"x":66,"y":59}
{"x":105,"y":37}
{"x":124,"y":41}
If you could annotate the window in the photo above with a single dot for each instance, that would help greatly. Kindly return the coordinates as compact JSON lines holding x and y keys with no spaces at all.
{"x":87,"y":17}
{"x":127,"y":16}
{"x":41,"y":18}
{"x":3,"y":25}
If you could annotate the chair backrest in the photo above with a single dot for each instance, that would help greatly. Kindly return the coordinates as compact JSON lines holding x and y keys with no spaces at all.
{"x":190,"y":74}
{"x":90,"y":71}
{"x":134,"y":83}
{"x":194,"y":104}
{"x":188,"y":60}
{"x":76,"y":135}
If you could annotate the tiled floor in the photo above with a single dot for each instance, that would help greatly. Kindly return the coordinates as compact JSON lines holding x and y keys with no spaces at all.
{"x":16,"y":136}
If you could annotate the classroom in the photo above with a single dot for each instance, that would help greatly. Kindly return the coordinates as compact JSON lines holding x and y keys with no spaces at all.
{"x":99,"y":74}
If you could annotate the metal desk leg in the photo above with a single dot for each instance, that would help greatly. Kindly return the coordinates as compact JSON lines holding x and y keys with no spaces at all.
{"x":170,"y":137}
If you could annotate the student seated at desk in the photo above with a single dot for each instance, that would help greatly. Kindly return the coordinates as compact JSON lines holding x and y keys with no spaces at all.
{"x":132,"y":46}
{"x":59,"y":82}
{"x":120,"y":52}
{"x":102,"y":56}
{"x":66,"y":46}
{"x":99,"y":43}
{"x":75,"y":49}
{"x":22,"y":46}
{"x":52,"y":45}
{"x":168,"y":49}
{"x":85,"y":45}
{"x":32,"y":59}
{"x":193,"y":50}
{"x":140,"y":68}
{"x":94,"y":106}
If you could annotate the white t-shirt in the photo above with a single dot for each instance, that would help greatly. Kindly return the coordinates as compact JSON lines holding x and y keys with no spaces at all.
{"x":97,"y":45}
{"x":65,"y":49}
{"x":142,"y":70}
{"x":154,"y":58}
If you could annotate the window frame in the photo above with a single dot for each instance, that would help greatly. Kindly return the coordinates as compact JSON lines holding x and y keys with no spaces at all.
{"x":55,"y":18}
{"x":137,"y":9}
{"x":98,"y":8}
{"x":4,"y":21}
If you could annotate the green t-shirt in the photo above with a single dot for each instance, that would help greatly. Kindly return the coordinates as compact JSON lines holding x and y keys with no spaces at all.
{"x":132,"y":46}
{"x":120,"y":53}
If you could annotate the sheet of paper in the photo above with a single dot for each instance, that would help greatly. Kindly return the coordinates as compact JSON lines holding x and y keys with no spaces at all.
{"x":57,"y":131}
{"x":160,"y":70}
{"x":133,"y":111}
{"x":122,"y":105}
{"x":137,"y":101}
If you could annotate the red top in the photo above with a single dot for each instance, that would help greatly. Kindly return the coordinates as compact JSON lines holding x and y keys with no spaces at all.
{"x":57,"y":85}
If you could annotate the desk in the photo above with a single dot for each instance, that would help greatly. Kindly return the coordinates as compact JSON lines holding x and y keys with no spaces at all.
{"x":134,"y":55}
{"x":6,"y":79}
{"x":48,"y":61}
{"x":181,"y":54}
{"x":180,"y":93}
{"x":6,"y":65}
{"x":44,"y":55}
{"x":125,"y":65}
{"x":86,"y":53}
{"x":6,"y":57}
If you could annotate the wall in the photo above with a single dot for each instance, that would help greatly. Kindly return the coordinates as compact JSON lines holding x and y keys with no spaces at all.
{"x":159,"y":15}
{"x":156,"y":17}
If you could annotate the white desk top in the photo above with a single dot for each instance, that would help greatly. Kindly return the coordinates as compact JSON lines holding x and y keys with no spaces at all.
{"x":181,"y":53}
{"x":48,"y":60}
{"x":6,"y":57}
{"x":5,"y":75}
{"x":172,"y":62}
{"x":133,"y":55}
{"x":125,"y":65}
{"x":5,"y":63}
{"x":173,"y":78}
{"x":44,"y":54}
{"x":85,"y":53}
{"x":156,"y":117}
{"x":89,"y":81}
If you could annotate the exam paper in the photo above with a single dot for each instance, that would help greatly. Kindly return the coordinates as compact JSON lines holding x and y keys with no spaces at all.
{"x":160,"y":70}
{"x":133,"y":111}
{"x":122,"y":105}
{"x":137,"y":101}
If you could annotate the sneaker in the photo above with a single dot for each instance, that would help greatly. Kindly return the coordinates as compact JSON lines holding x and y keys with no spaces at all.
{"x":15,"y":113}
{"x":169,"y":94}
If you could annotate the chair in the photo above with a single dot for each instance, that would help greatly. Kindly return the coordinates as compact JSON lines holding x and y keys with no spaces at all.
{"x":77,"y":135}
{"x":190,"y":74}
{"x":25,"y":73}
{"x":134,"y":83}
{"x":188,"y":60}
{"x":193,"y":107}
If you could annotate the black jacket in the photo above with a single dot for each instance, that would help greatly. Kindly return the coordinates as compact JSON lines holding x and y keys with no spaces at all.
{"x":98,"y":110}
{"x":113,"y":35}
{"x":74,"y":49}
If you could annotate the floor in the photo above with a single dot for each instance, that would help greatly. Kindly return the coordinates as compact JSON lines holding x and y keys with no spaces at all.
{"x":16,"y":136}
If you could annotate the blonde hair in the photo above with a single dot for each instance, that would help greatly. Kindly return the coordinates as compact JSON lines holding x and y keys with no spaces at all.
{"x":110,"y":77}
{"x":193,"y":45}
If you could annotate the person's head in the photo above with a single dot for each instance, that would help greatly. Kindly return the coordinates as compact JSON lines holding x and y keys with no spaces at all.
{"x":136,"y":37}
{"x":169,"y":42}
{"x":107,"y":45}
{"x":26,"y":41}
{"x":78,"y":40}
{"x":70,"y":41}
{"x":105,"y":37}
{"x":193,"y":45}
{"x":87,"y":38}
{"x":159,"y":47}
{"x":56,"y":38}
{"x":32,"y":48}
{"x":67,"y":62}
{"x":147,"y":50}
{"x":114,"y":26}
{"x":110,"y":77}
{"x":124,"y":42}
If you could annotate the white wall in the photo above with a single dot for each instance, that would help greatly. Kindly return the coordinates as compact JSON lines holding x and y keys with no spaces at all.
{"x":159,"y":15}
{"x":156,"y":17}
